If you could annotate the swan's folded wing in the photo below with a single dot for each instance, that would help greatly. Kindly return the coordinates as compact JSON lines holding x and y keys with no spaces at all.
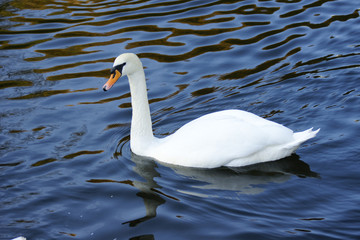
{"x":216,"y":139}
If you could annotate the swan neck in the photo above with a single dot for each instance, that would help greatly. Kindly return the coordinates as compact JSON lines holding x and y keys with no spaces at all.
{"x":141,"y":133}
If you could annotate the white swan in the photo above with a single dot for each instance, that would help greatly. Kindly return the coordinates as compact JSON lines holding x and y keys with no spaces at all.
{"x":231,"y":138}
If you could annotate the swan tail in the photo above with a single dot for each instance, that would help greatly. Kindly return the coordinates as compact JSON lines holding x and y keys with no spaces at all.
{"x":300,"y":137}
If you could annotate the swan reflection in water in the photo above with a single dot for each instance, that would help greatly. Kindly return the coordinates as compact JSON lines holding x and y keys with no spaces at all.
{"x":244,"y":180}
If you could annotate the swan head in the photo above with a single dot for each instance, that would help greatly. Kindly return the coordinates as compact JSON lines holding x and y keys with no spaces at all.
{"x":124,"y":64}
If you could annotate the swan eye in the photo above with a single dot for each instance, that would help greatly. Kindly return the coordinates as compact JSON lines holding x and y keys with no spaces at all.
{"x":117,"y":67}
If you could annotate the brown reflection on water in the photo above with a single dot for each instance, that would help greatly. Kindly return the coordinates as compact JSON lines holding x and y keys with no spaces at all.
{"x":73,"y":50}
{"x":243,"y":10}
{"x":49,"y":93}
{"x":71,"y":65}
{"x":87,"y":14}
{"x":265,"y":65}
{"x":303,"y":8}
{"x":15,"y":83}
{"x":86,"y":74}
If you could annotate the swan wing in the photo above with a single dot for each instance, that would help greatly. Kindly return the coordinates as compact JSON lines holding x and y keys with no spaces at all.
{"x":216,"y":139}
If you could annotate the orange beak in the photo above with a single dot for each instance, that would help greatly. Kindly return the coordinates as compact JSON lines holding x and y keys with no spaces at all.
{"x":112,"y":80}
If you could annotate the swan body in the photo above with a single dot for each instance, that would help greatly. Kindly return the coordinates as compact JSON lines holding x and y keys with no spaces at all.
{"x":230,"y":138}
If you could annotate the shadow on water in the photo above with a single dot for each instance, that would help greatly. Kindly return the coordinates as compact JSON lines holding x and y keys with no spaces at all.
{"x":251,"y":179}
{"x":243,"y":180}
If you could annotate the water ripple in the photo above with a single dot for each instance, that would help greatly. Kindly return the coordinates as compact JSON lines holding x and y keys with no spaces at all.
{"x":65,"y":160}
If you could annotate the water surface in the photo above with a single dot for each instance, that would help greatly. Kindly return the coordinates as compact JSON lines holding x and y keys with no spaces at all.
{"x":66,"y":169}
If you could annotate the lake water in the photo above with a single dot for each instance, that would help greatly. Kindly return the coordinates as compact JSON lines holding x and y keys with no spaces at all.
{"x":66,"y":169}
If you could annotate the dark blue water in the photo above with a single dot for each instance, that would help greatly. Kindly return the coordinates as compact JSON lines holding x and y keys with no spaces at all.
{"x":66,"y":169}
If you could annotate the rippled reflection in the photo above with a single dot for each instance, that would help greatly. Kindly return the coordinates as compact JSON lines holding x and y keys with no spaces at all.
{"x":244,"y":180}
